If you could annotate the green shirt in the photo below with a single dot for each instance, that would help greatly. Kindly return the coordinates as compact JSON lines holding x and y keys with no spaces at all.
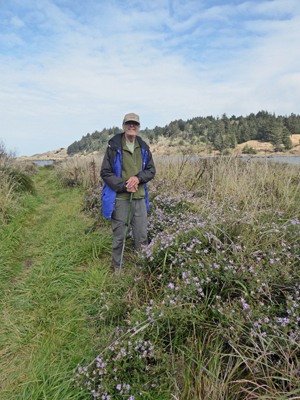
{"x":132,"y":164}
{"x":130,"y":146}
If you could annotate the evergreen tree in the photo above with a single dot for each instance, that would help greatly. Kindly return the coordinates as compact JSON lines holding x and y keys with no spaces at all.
{"x":230,"y":138}
{"x":293,"y":123}
{"x":220,"y":136}
{"x":181,"y":125}
{"x":172,"y":129}
{"x":244,"y":132}
{"x":286,"y":140}
{"x":73,"y":148}
{"x":218,"y":142}
{"x":274,"y":133}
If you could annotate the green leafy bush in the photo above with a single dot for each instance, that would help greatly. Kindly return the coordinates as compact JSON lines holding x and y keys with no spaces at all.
{"x":226,"y":152}
{"x":249,"y":150}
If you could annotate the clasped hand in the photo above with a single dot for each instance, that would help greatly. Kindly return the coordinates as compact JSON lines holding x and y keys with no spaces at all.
{"x":132,"y":184}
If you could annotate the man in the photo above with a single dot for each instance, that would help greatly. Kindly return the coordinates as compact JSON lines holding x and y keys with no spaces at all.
{"x":127,"y":167}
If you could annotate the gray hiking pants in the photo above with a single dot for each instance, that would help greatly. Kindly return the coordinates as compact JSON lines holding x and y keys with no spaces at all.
{"x":137,"y":220}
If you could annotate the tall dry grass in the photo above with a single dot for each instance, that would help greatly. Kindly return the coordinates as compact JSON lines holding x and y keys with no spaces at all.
{"x":249,"y":185}
{"x":9,"y":202}
{"x":15,"y":179}
{"x":79,"y":172}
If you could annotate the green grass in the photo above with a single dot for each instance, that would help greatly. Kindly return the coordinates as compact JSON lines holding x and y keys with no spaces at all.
{"x":51,"y":277}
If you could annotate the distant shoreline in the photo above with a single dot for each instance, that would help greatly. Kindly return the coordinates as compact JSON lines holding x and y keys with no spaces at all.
{"x":30,"y":159}
{"x":165,"y":148}
{"x":241,"y":155}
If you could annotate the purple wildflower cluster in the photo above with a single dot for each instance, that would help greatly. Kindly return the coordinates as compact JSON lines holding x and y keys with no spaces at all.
{"x":92,"y":201}
{"x":168,"y":211}
{"x":125,"y":369}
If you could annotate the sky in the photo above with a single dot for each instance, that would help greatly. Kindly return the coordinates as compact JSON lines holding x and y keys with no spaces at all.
{"x":70,"y":67}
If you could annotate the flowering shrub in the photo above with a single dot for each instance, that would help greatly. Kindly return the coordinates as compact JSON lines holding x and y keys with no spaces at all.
{"x":202,"y":257}
{"x":126,"y":369}
{"x":225,"y":265}
{"x":237,"y":274}
{"x":92,"y":201}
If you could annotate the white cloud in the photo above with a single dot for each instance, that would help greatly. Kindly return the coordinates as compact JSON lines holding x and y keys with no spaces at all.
{"x":276,"y":8}
{"x":16,"y":22}
{"x":9,"y":40}
{"x":80,"y":73}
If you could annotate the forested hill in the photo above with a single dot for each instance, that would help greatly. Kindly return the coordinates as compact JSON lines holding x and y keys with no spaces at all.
{"x":222,"y":134}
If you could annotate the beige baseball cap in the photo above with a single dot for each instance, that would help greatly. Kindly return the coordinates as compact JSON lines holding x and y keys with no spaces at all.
{"x":131,"y":117}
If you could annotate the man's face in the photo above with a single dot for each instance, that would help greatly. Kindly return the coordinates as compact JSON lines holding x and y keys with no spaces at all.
{"x":131,"y":128}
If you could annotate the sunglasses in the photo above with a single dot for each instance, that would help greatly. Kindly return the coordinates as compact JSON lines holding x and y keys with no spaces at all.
{"x":132,"y":123}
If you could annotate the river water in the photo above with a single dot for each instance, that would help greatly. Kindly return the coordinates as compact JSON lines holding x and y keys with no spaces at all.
{"x":283,"y":159}
{"x":287,"y":159}
{"x":43,"y":162}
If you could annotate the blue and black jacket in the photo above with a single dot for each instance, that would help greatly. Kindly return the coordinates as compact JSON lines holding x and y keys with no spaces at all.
{"x":111,"y":173}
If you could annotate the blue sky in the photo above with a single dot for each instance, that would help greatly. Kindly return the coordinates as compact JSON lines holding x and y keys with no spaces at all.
{"x":70,"y":67}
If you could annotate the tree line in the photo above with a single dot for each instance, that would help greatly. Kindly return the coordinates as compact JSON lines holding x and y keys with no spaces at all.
{"x":221,"y":133}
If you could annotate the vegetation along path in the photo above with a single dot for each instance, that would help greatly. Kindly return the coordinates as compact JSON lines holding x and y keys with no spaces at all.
{"x":51,"y":276}
{"x":210,"y":311}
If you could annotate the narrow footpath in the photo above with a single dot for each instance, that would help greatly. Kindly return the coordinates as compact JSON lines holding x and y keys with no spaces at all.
{"x":52,"y":272}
